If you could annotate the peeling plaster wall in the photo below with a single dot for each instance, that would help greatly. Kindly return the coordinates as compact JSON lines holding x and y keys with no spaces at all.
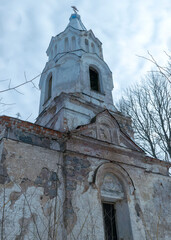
{"x":46,"y":194}
{"x":153,"y":203}
{"x":149,"y":204}
{"x":31,"y":192}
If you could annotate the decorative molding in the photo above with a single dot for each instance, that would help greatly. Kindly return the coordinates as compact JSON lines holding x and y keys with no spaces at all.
{"x":111,"y":188}
{"x":106,"y":128}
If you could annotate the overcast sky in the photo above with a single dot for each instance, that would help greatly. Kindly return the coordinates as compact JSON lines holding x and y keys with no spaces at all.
{"x":126,"y":28}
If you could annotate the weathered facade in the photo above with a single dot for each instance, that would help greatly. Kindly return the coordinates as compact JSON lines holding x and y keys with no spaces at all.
{"x":77,"y":173}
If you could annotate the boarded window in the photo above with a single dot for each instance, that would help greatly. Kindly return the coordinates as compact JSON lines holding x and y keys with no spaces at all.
{"x":109,"y":221}
{"x":94,"y":79}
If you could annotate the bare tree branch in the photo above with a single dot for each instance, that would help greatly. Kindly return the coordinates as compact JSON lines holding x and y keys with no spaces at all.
{"x":163,"y":70}
{"x":149,"y":106}
{"x":23,"y":83}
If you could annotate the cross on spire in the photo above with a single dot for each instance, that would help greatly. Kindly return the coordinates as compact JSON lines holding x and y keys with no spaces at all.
{"x":75,"y":9}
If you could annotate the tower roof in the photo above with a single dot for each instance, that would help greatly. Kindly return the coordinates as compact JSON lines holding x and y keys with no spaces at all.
{"x":75,"y":22}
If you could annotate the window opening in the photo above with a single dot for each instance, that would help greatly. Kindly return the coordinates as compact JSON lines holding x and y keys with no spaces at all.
{"x":94,"y":79}
{"x":48,"y":89}
{"x":109,"y":221}
{"x":115,"y":209}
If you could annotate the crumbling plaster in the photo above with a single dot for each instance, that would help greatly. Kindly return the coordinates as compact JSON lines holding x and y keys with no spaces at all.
{"x":33,"y":195}
{"x":149,"y":212}
{"x":54,"y":188}
{"x":24,"y":160}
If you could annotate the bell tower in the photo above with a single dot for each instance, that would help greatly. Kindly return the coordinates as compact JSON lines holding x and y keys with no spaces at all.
{"x":76,"y":83}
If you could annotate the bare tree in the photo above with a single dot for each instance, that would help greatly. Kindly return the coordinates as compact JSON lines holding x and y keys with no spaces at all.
{"x":149,"y":106}
{"x":164,"y":71}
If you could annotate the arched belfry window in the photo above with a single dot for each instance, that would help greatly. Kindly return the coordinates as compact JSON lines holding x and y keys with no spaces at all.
{"x":48,"y":90}
{"x":94,"y":79}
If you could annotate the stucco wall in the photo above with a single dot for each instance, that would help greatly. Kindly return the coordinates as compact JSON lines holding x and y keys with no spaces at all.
{"x":31,"y":192}
{"x":148,"y":198}
{"x":52,"y":194}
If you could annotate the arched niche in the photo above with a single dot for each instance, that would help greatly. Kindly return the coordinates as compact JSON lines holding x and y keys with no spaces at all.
{"x":87,"y":45}
{"x":107,"y":128}
{"x":114,"y":187}
{"x":66,"y":48}
{"x":92,"y":48}
{"x":56,"y":49}
{"x":73,"y":43}
{"x":52,"y":53}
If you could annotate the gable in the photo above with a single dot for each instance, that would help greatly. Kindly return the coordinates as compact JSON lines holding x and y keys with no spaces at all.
{"x":104,"y":127}
{"x":91,"y":35}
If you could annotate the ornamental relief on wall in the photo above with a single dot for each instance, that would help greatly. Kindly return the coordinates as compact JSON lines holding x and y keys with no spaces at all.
{"x":104,"y":133}
{"x":111,"y":187}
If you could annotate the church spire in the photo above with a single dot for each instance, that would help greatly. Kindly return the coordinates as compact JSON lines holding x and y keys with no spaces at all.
{"x":76,"y":23}
{"x":75,"y":20}
{"x":75,"y":70}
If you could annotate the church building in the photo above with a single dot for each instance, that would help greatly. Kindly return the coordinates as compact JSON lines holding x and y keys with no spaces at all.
{"x":76,"y":173}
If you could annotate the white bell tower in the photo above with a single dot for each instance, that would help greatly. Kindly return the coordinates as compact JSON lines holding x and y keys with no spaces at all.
{"x":76,"y":83}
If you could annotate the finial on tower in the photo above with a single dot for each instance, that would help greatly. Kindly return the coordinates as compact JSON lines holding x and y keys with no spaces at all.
{"x":75,"y":9}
